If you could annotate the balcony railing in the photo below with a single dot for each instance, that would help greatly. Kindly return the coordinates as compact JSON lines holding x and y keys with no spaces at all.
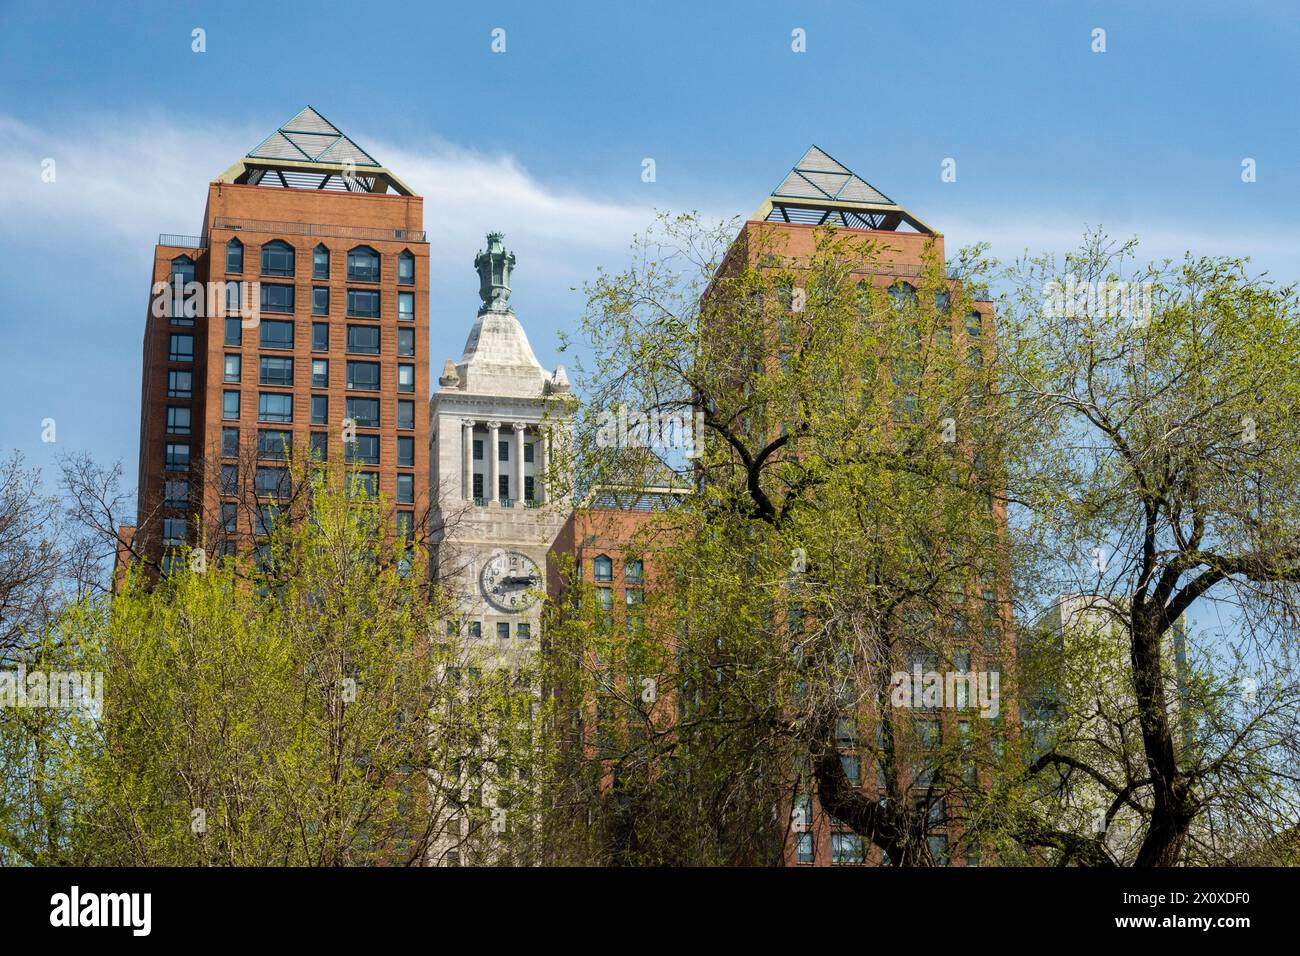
{"x":184,"y":242}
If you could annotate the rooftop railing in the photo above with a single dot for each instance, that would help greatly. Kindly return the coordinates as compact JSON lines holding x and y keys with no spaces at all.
{"x":319,"y":229}
{"x":287,"y":228}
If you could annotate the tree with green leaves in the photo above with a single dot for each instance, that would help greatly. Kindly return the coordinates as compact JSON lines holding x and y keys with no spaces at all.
{"x":302,"y":705}
{"x":1157,"y":474}
{"x":845,"y":515}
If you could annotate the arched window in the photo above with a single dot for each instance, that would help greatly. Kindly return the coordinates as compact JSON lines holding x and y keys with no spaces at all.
{"x":903,"y":295}
{"x":234,"y":256}
{"x":942,"y":300}
{"x":363,"y":264}
{"x":974,"y":325}
{"x":863,"y":297}
{"x":602,"y":568}
{"x":320,"y":262}
{"x":182,"y":267}
{"x":405,"y":268}
{"x":277,"y":258}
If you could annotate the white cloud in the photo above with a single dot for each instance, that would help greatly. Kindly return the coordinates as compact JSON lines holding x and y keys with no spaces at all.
{"x":126,"y":180}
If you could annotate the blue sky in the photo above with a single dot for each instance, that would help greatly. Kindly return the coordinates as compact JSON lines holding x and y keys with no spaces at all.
{"x":545,"y":142}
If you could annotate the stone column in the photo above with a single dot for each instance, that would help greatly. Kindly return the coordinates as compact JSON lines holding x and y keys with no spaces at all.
{"x":467,"y":457}
{"x":494,"y":461}
{"x":542,"y":464}
{"x":520,"y":429}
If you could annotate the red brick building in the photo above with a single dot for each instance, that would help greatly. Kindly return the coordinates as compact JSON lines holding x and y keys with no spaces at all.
{"x":301,"y":305}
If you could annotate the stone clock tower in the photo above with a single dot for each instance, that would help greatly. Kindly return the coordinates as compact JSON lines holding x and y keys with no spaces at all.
{"x":495,"y":424}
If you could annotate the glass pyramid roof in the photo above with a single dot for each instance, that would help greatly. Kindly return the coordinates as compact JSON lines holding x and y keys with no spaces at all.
{"x":311,"y":138}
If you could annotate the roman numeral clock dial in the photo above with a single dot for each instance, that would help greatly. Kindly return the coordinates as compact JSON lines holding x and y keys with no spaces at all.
{"x":510,"y":581}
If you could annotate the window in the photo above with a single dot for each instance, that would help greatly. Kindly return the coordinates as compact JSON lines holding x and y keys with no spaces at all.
{"x":363,"y":376}
{"x":405,"y":487}
{"x":320,"y":337}
{"x":234,"y":332}
{"x":363,"y":339}
{"x":602,"y":569}
{"x":363,"y":303}
{"x":173,"y":532}
{"x":503,"y":630}
{"x":271,"y":481}
{"x":277,"y":298}
{"x":183,"y":270}
{"x":405,"y":268}
{"x":523,"y":631}
{"x":633,"y":569}
{"x":363,"y":264}
{"x":852,"y":768}
{"x":320,"y":373}
{"x":478,"y":488}
{"x":503,"y":450}
{"x":180,"y":384}
{"x":938,"y":848}
{"x":320,"y":445}
{"x":176,"y":493}
{"x":178,"y":420}
{"x":230,"y":479}
{"x":229,"y":517}
{"x":363,"y":483}
{"x":234,"y":256}
{"x":475,"y":629}
{"x":277,"y":259}
{"x":974,"y":325}
{"x":320,"y":410}
{"x":503,"y":489}
{"x":234,"y":367}
{"x":530,"y":493}
{"x":276,"y":334}
{"x":274,"y":443}
{"x":267,"y":515}
{"x":405,"y":306}
{"x":406,"y":526}
{"x":805,"y":848}
{"x":364,"y":448}
{"x":406,"y":378}
{"x":275,"y":371}
{"x":478,"y":449}
{"x":274,"y":407}
{"x":406,"y":452}
{"x":230,"y":442}
{"x":406,"y":341}
{"x":903,"y":295}
{"x":320,"y":263}
{"x":320,"y":301}
{"x":846,"y":732}
{"x":177,"y":456}
{"x":230,"y":405}
{"x":405,"y":414}
{"x":181,"y":349}
{"x":364,"y":411}
{"x":942,"y":300}
{"x":846,"y":849}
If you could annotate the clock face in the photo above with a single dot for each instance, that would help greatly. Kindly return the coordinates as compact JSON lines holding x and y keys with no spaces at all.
{"x":510,"y":581}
